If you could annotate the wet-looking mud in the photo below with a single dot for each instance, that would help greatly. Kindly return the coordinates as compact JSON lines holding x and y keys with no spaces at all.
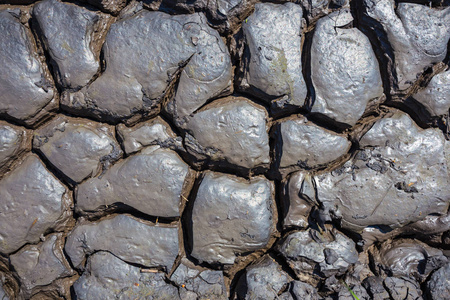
{"x":225,"y":149}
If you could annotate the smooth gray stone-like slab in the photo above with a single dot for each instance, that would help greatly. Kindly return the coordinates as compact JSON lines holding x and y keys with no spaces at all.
{"x":417,"y":34}
{"x":67,"y":32}
{"x":32,"y":202}
{"x":197,"y":283}
{"x":108,"y":277}
{"x":297,"y":199}
{"x":126,"y":237}
{"x":407,"y":258}
{"x":14,"y":140}
{"x":27,"y":92}
{"x":152,"y":132}
{"x":435,"y":97}
{"x":312,"y":253}
{"x":302,"y":144}
{"x":273,"y":37}
{"x":78,"y":148}
{"x":400,"y":176}
{"x":41,"y":264}
{"x":344,"y":69}
{"x":143,"y":54}
{"x":439,"y":283}
{"x":230,"y":216}
{"x":262,"y":280}
{"x":153,"y":181}
{"x":240,"y":125}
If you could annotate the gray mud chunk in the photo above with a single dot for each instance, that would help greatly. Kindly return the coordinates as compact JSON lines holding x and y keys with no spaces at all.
{"x":78,"y":148}
{"x":208,"y":73}
{"x":358,"y":290}
{"x":239,"y":124}
{"x":374,"y":285}
{"x":137,"y":76}
{"x":262,"y":280}
{"x":108,"y":277}
{"x":126,"y":237}
{"x":402,"y":288}
{"x":14,"y":141}
{"x":417,"y":34}
{"x":400,"y":176}
{"x":226,"y":15}
{"x":344,"y":70}
{"x":231,"y":215}
{"x":439,"y":284}
{"x":199,"y":283}
{"x":32,"y":202}
{"x":229,"y":13}
{"x":304,"y":291}
{"x":392,"y":288}
{"x":311,"y":253}
{"x":426,"y":227}
{"x":407,"y":258}
{"x":298,"y":196}
{"x":153,"y":181}
{"x":302,"y":144}
{"x":152,"y":132}
{"x":67,"y":32}
{"x":318,"y":8}
{"x":27,"y":93}
{"x":435,"y":97}
{"x":273,"y":36}
{"x":39,"y":265}
{"x":110,"y":6}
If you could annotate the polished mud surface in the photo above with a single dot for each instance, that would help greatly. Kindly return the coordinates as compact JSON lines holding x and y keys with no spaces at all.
{"x":217,"y":149}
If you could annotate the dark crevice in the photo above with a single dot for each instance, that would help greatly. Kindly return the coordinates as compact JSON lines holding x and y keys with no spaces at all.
{"x":395,"y":99}
{"x":276,"y":151}
{"x":66,"y":181}
{"x":67,"y":257}
{"x":237,"y":282}
{"x":120,"y":141}
{"x":207,"y":164}
{"x":212,"y":99}
{"x":439,"y":4}
{"x":279,"y":258}
{"x":136,"y":265}
{"x":121,"y":208}
{"x":380,"y":45}
{"x":186,"y":220}
{"x":279,"y":207}
{"x":253,"y":98}
{"x":306,"y":69}
{"x":19,"y":123}
{"x":52,"y":67}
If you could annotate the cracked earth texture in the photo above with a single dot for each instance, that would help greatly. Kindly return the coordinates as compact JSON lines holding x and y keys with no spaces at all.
{"x":225,"y":149}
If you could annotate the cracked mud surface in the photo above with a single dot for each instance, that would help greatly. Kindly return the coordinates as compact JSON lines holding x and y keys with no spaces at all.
{"x":216,"y":149}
